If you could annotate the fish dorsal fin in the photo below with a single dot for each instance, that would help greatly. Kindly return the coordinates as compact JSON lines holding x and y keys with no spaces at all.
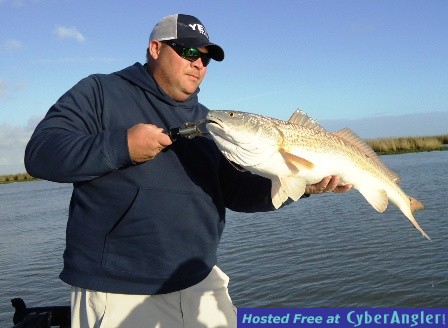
{"x":301,"y":118}
{"x":295,"y":163}
{"x":352,"y":138}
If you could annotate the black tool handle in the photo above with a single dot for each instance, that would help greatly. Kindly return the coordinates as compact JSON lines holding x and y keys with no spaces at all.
{"x":188,"y":131}
{"x":173,"y":133}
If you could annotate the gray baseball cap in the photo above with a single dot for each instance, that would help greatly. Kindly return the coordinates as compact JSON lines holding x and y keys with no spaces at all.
{"x":187,"y":31}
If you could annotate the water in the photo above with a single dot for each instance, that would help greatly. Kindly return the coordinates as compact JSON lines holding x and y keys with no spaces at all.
{"x":330,"y":250}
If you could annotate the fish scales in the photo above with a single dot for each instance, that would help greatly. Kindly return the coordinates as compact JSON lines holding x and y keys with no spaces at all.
{"x":298,"y":152}
{"x":312,"y":144}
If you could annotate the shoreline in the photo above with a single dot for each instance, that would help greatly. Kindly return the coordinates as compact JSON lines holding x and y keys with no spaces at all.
{"x":17,"y":177}
{"x":381,"y":146}
{"x":409,"y":151}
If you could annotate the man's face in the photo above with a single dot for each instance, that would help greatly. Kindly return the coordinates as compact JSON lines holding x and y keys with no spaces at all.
{"x":178,"y":77}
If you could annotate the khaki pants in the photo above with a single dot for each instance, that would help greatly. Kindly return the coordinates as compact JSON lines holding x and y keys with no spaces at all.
{"x":204,"y":305}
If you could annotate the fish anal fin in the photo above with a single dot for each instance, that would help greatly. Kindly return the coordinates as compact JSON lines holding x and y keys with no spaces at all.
{"x":377,"y":198}
{"x":295,"y":163}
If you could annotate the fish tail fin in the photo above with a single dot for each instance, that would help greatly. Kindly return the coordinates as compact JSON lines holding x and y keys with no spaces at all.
{"x":417,"y":226}
{"x":416,"y":205}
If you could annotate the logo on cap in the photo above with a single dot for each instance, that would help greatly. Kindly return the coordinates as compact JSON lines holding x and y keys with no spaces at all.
{"x":200,"y":28}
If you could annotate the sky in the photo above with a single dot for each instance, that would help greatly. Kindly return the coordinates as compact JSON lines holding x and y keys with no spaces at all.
{"x":334,"y":59}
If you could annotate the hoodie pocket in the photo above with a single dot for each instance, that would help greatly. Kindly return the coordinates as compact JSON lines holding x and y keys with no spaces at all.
{"x":161,"y":230}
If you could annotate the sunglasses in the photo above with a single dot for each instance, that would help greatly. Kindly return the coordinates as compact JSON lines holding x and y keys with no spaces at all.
{"x":190,"y":54}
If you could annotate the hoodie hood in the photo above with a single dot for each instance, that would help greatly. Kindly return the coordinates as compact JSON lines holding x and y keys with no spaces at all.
{"x":139,"y":75}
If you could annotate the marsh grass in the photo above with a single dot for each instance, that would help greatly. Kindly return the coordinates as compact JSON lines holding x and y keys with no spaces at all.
{"x":380,"y":146}
{"x":443,"y":139}
{"x":19,"y":177}
{"x":407,"y":144}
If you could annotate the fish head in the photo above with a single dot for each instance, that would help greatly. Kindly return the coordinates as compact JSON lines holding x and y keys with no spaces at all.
{"x":244,"y":138}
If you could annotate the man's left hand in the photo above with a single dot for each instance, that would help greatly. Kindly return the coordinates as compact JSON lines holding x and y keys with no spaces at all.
{"x":327,"y":184}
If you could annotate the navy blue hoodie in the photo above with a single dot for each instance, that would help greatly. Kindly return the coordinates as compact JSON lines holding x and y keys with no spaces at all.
{"x":137,"y":228}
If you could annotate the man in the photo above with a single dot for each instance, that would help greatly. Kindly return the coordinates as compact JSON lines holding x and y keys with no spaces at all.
{"x":146,"y":214}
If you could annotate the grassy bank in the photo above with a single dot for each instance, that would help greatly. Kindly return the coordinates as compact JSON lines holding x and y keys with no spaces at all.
{"x":408,"y":144}
{"x":384,"y":146}
{"x":19,"y":177}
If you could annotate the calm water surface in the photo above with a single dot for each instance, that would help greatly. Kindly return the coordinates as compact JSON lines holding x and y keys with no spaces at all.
{"x":325,"y":251}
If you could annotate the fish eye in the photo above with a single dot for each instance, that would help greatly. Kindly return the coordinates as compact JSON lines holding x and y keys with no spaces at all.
{"x":231,"y":114}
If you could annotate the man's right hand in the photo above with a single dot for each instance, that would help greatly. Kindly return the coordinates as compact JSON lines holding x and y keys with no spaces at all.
{"x":145,"y":141}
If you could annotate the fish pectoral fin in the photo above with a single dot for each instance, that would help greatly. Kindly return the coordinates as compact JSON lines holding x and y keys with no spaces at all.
{"x":295,"y":163}
{"x":377,"y":198}
{"x":287,"y":187}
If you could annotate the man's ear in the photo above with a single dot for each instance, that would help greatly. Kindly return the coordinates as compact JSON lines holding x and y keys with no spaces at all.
{"x":154,"y":48}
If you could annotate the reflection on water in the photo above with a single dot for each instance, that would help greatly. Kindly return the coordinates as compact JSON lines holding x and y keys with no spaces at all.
{"x":330,"y":250}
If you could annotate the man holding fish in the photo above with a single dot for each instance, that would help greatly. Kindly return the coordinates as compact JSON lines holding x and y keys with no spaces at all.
{"x":147,"y":212}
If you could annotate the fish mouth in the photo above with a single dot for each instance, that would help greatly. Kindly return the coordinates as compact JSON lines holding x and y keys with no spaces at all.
{"x":214,"y":121}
